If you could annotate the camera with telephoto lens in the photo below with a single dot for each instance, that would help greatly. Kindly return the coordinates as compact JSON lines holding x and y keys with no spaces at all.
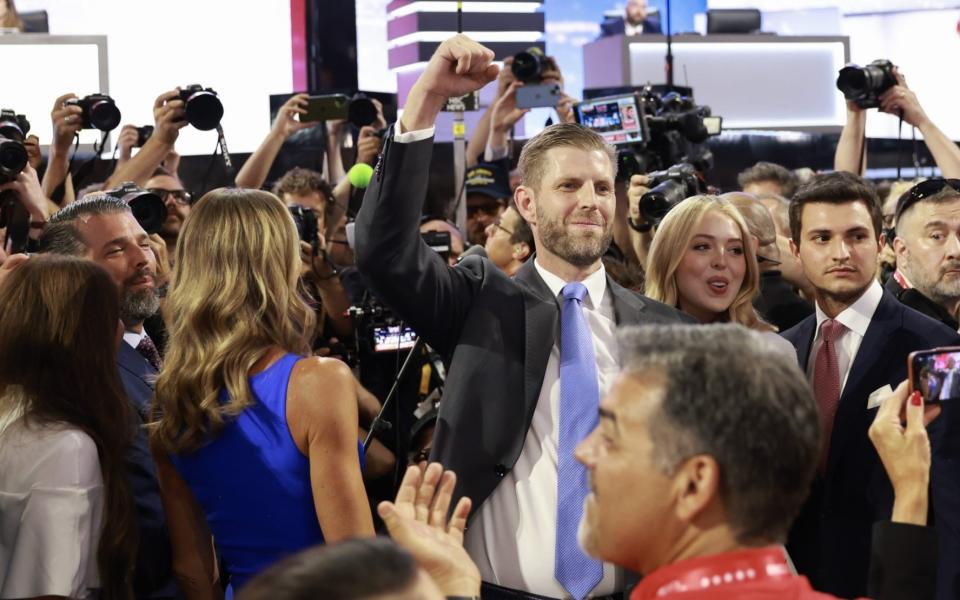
{"x":143,"y":134}
{"x":99,"y":111}
{"x":528,"y":66}
{"x":13,"y":154}
{"x":202,"y":106}
{"x":307,"y":225}
{"x":148,"y":208}
{"x":667,"y":189}
{"x":361,"y":111}
{"x":864,"y":85}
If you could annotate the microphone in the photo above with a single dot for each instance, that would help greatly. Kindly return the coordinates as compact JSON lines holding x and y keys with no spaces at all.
{"x":474,"y":250}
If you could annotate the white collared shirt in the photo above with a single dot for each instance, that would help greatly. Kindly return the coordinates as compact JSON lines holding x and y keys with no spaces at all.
{"x":856,"y":320}
{"x":629,"y":29}
{"x":512,"y":537}
{"x":132,"y":338}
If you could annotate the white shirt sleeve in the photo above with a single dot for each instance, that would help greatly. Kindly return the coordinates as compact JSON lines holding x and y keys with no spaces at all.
{"x":412,"y":136}
{"x":51,"y":512}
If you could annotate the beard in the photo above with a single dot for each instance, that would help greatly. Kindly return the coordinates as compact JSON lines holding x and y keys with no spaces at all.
{"x":137,"y":305}
{"x":940,"y":290}
{"x":580,"y":251}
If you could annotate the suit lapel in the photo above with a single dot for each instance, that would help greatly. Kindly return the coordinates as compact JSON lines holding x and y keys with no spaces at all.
{"x":868,"y":370}
{"x":132,"y":362}
{"x":805,"y":333}
{"x":627,"y":305}
{"x":541,"y":325}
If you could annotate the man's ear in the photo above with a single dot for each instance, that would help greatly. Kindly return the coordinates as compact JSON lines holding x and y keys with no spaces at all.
{"x":900,"y":249}
{"x":526,"y":204}
{"x":697,"y":484}
{"x":794,"y":249}
{"x":521,"y":251}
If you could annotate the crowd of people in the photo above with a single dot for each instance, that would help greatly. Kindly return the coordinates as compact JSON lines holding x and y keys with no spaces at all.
{"x":712,"y":405}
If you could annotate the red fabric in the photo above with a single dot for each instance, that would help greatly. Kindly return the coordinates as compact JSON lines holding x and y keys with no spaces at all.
{"x":826,"y":382}
{"x":753,"y":574}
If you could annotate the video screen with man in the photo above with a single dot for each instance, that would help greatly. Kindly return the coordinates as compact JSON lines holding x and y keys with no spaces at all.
{"x":617,"y":119}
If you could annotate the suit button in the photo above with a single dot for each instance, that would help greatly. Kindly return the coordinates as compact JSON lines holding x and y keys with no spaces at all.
{"x":500,"y":470}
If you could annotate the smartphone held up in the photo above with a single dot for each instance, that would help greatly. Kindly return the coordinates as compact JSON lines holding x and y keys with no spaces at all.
{"x":936,"y":374}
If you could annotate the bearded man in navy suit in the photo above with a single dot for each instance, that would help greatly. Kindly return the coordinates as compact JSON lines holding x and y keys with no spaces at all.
{"x":853,"y":348}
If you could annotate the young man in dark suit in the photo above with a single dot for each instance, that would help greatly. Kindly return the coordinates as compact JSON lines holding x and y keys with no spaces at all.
{"x":853,"y":350}
{"x":530,"y":355}
{"x":104,"y":230}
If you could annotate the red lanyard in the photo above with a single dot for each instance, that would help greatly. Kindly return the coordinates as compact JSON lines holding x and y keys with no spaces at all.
{"x":901,"y":280}
{"x":711,"y":572}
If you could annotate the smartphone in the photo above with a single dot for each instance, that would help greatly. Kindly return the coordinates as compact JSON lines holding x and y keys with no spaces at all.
{"x":538,"y":96}
{"x":936,"y":373}
{"x":326,"y":108}
{"x":619,"y":119}
{"x":389,"y":338}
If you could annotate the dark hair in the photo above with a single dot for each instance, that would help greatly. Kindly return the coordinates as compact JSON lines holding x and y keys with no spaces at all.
{"x":350,"y":570}
{"x":749,"y":407}
{"x":768,"y":171}
{"x":61,"y":236}
{"x":915,"y":195}
{"x":838,"y":187}
{"x":58,"y":345}
{"x":300,"y":182}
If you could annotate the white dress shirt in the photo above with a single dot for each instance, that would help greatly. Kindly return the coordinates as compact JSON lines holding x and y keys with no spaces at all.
{"x":855,"y":319}
{"x":132,"y":338}
{"x":51,"y":510}
{"x":512,"y":537}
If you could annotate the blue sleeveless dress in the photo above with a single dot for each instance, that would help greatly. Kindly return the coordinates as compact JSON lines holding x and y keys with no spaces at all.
{"x":253,"y":483}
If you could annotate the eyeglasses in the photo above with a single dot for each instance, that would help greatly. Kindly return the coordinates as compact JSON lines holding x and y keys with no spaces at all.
{"x":923,"y":190}
{"x":502,"y":228}
{"x":181,"y":197}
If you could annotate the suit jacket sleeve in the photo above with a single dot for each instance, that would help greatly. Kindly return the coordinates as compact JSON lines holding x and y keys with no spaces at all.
{"x":903,"y":562}
{"x":401,"y":269}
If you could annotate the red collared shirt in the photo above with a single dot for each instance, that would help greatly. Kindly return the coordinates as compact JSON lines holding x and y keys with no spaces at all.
{"x":755,"y":574}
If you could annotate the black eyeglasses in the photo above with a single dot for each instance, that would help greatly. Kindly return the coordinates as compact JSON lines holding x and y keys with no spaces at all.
{"x":923,"y":190}
{"x":502,"y":228}
{"x":182,"y":197}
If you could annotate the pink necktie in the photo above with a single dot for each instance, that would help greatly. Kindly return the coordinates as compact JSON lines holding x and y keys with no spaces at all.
{"x":826,"y":382}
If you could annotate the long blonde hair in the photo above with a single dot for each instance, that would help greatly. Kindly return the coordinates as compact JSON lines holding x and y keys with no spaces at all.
{"x":233,"y":296}
{"x":671,"y":242}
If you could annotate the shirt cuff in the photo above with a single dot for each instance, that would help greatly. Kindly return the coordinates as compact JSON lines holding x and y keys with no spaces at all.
{"x":491,"y":154}
{"x":409,"y":137}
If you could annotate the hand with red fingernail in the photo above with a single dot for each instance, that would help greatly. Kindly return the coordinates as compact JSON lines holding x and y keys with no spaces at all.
{"x":904,"y":450}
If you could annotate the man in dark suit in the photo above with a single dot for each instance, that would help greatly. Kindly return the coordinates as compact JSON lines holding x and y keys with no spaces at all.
{"x":635,"y":21}
{"x":526,"y":373}
{"x":927,"y":278}
{"x":853,"y":350}
{"x":104,"y":230}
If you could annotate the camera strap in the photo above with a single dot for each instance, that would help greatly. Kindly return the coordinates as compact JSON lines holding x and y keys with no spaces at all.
{"x":222,"y":143}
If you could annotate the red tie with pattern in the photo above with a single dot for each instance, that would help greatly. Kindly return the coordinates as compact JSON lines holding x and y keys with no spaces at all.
{"x":826,"y":382}
{"x":149,"y":352}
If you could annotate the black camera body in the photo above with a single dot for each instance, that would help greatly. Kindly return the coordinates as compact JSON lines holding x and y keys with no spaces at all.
{"x":667,"y":189}
{"x":528,"y":66}
{"x":99,"y":111}
{"x":202,"y":106}
{"x":143,"y":134}
{"x":865,"y":85}
{"x":149,"y":209}
{"x":307,"y":225}
{"x":13,"y":154}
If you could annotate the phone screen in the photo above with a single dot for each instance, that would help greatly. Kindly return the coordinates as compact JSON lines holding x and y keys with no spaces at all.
{"x":326,"y":108}
{"x":390,"y":338}
{"x":936,"y":373}
{"x":618,"y":119}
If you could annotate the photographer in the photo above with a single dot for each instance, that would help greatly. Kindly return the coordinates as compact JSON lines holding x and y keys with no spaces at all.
{"x":897,"y":100}
{"x":169,"y":118}
{"x":67,"y":122}
{"x":29,"y":192}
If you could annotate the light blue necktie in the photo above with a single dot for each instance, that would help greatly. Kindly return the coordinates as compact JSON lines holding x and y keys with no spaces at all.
{"x":579,"y":401}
